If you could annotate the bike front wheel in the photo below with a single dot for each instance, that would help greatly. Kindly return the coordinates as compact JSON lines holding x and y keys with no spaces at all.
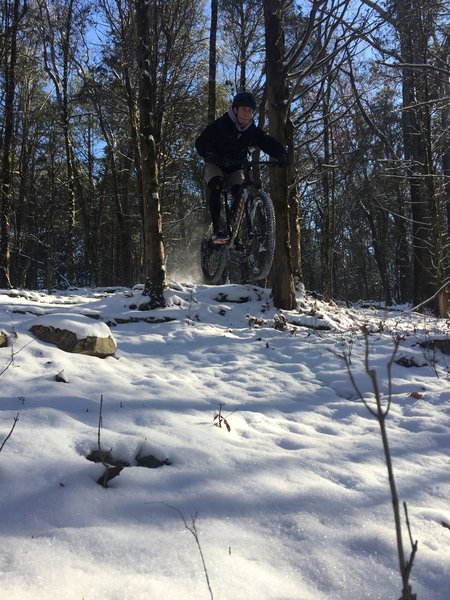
{"x":213,"y":260}
{"x":261,"y":235}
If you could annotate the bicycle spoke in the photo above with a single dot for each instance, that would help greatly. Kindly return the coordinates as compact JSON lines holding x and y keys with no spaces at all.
{"x":261,"y":243}
{"x":213,"y":260}
{"x":250,"y":250}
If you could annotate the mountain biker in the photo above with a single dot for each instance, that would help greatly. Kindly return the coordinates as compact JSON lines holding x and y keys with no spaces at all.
{"x":224,"y":145}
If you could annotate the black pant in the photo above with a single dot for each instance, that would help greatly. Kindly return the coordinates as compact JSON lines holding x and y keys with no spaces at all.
{"x":215,"y":202}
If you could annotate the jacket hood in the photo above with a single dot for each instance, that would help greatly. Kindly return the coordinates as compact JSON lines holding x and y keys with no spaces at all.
{"x":236,"y":122}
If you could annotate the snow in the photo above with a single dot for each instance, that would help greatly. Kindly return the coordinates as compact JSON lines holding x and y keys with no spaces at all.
{"x":80,"y":325}
{"x":292,"y":503}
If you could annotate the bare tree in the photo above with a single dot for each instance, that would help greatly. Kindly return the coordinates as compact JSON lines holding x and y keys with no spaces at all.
{"x":299,"y":77}
{"x":62,"y":24}
{"x":244,"y":31}
{"x":14,"y":12}
{"x":278,"y":111}
{"x":417,"y":57}
{"x":212,"y":62}
{"x":153,"y":244}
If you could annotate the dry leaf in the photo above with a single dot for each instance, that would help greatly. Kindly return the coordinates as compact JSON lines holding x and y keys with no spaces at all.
{"x":109,"y":474}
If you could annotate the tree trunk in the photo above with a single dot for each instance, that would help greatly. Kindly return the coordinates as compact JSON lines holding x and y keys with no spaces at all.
{"x":427,"y":220}
{"x":6,"y":189}
{"x":444,"y":295}
{"x":277,"y":94}
{"x":127,"y":62}
{"x":60,"y":75}
{"x":212,"y":63}
{"x":125,"y":266}
{"x":154,"y":267}
{"x":294,"y":213}
{"x":328,"y":204}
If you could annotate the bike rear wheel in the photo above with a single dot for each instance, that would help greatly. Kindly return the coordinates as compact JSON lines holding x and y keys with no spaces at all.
{"x":261,"y":235}
{"x":213,"y":260}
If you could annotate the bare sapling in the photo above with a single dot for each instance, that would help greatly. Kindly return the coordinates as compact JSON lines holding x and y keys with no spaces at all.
{"x":100,"y":425}
{"x":380,"y":410}
{"x":192,"y":528}
{"x":104,"y":456}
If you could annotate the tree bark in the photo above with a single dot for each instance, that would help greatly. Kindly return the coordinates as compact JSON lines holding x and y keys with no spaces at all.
{"x":154,"y":267}
{"x":212,"y":63}
{"x":60,"y":76}
{"x":278,"y":111}
{"x":428,"y":248}
{"x":328,"y":203}
{"x":294,"y":213}
{"x":6,"y":189}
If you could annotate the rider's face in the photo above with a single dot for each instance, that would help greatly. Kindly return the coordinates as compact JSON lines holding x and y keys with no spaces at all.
{"x":244,"y":115}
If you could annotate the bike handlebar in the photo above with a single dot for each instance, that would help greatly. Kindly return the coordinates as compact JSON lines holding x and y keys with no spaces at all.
{"x":255,"y":163}
{"x":246,"y":163}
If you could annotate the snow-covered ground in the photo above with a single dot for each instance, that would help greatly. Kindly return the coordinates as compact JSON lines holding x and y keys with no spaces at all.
{"x":291,"y":503}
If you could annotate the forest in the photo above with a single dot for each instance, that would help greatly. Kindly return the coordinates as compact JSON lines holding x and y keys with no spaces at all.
{"x":101,"y":103}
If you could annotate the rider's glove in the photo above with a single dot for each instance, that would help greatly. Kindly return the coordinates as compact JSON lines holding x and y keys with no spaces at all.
{"x":283,"y":161}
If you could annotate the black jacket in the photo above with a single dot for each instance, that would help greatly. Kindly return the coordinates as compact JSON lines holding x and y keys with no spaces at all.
{"x":221,"y":142}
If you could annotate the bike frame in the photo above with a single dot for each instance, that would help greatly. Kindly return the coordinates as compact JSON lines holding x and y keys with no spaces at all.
{"x":248,"y":188}
{"x":255,"y":245}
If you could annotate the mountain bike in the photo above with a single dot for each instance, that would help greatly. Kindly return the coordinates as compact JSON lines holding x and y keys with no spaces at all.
{"x":250,"y":224}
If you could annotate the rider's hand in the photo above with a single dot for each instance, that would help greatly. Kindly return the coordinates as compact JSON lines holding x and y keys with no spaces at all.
{"x":283,"y":161}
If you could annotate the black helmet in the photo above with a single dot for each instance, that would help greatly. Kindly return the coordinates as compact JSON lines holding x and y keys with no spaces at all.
{"x":244,"y":99}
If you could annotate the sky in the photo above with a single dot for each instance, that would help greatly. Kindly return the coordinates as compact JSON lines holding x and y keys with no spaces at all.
{"x":290,"y":501}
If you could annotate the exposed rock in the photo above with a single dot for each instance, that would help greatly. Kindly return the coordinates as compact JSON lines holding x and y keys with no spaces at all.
{"x":61,"y":377}
{"x":100,"y":456}
{"x":3,"y":339}
{"x":442,"y":345}
{"x":105,"y":457}
{"x":75,"y":334}
{"x":408,"y":362}
{"x":121,"y":320}
{"x":151,"y":462}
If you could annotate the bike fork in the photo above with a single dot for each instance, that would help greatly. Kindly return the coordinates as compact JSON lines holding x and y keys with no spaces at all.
{"x":248,"y":220}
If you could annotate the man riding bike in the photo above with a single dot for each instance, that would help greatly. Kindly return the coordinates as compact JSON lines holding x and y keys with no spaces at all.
{"x":224,"y":145}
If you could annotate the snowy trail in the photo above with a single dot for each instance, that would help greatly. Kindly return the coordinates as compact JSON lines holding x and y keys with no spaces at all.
{"x":292,"y":502}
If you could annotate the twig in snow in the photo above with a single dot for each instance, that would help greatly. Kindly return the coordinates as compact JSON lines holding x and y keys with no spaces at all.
{"x":13,"y":355}
{"x":100,"y":424}
{"x":192,"y":528}
{"x":16,"y":418}
{"x":221,"y":419}
{"x":111,"y":471}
